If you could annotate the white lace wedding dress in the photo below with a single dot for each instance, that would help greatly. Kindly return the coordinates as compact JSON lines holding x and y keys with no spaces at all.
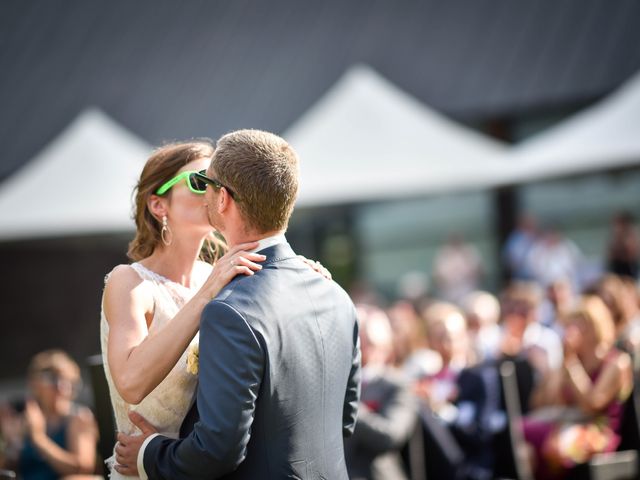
{"x":167,"y":405}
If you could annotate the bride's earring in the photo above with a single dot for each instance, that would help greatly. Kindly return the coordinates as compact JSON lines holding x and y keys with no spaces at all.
{"x":165,"y":233}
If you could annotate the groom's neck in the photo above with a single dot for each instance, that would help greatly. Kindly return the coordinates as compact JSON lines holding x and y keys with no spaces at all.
{"x":246,"y":237}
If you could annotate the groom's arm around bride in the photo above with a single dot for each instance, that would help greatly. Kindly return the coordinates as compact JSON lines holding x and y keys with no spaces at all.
{"x":279,"y":354}
{"x":230,"y":373}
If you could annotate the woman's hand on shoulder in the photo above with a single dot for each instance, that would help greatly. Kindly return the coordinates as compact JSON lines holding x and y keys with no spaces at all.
{"x":316,"y":266}
{"x":237,"y":261}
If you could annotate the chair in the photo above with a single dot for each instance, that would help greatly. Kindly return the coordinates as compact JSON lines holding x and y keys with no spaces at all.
{"x":442,"y":456}
{"x":514,"y":419}
{"x":413,"y":455}
{"x":614,"y":466}
{"x":630,"y":429}
{"x":103,"y":410}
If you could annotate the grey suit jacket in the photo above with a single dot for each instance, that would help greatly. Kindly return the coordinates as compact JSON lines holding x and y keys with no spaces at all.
{"x":384,"y":427}
{"x":278,"y":381}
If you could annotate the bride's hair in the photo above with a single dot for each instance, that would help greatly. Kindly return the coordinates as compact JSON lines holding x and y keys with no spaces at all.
{"x":163,"y":164}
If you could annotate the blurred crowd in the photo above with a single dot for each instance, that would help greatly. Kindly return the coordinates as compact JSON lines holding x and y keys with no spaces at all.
{"x":431,"y":361}
{"x":432,"y":401}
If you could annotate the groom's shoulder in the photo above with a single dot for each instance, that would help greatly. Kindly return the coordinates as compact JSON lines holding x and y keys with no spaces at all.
{"x":240,"y":293}
{"x":241,"y":286}
{"x":287,"y":274}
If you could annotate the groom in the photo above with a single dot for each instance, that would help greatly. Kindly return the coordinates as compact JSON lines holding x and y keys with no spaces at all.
{"x":279,"y":357}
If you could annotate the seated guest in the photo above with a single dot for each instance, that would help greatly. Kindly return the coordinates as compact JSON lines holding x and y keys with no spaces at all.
{"x":482,"y":312}
{"x":408,"y":332}
{"x":560,"y":298}
{"x":523,"y":335}
{"x":518,"y":246}
{"x":591,"y":387}
{"x":480,"y":426}
{"x":446,"y":335}
{"x":555,"y":256}
{"x":621,"y":296}
{"x":457,"y":269}
{"x":387,"y":412}
{"x":412,"y":354}
{"x":60,"y":436}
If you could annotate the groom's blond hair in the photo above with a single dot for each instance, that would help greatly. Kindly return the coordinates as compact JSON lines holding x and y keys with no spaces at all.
{"x":262,"y":170}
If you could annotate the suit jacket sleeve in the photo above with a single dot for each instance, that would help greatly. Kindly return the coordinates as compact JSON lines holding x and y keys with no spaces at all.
{"x":352,"y":395}
{"x":231,"y":366}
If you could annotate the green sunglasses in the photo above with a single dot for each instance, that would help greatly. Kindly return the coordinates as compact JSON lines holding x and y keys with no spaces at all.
{"x":189,"y":176}
{"x":196,"y":181}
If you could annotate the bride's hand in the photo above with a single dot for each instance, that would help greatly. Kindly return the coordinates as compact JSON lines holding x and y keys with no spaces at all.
{"x":237,"y":261}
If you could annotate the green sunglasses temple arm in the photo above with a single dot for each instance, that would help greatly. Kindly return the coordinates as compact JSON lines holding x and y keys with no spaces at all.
{"x":216,"y":184}
{"x":183,"y":176}
{"x":167,"y":185}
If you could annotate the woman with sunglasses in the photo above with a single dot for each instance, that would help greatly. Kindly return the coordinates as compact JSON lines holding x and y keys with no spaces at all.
{"x":59,"y":436}
{"x":151,"y":308}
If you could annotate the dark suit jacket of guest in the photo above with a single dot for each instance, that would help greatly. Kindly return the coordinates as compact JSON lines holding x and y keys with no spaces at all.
{"x":383,"y":428}
{"x":278,"y":381}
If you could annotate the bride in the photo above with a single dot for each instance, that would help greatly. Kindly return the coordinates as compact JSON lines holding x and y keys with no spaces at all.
{"x":151,"y":308}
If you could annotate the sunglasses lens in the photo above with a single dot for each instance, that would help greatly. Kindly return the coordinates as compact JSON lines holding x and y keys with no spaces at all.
{"x":196,"y":183}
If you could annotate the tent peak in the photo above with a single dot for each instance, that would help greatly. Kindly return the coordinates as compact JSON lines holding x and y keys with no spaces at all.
{"x":78,"y":184}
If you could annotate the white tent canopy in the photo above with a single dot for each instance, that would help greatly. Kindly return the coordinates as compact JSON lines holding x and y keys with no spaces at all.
{"x":363,"y":140}
{"x":81,"y":183}
{"x":603,"y":136}
{"x":366,"y":139}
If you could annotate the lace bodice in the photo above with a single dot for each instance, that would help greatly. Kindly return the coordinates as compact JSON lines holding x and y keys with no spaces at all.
{"x":167,"y":405}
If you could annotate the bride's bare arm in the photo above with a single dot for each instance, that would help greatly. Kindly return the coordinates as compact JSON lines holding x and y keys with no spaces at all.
{"x":139,"y":361}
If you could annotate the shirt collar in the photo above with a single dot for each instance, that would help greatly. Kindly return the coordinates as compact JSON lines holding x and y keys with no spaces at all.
{"x":270,"y":242}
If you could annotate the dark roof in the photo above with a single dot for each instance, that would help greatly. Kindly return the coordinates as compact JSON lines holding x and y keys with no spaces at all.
{"x":174,"y":69}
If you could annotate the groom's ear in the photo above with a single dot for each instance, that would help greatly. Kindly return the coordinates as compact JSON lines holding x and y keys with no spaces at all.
{"x":223,"y":201}
{"x":157,"y":206}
